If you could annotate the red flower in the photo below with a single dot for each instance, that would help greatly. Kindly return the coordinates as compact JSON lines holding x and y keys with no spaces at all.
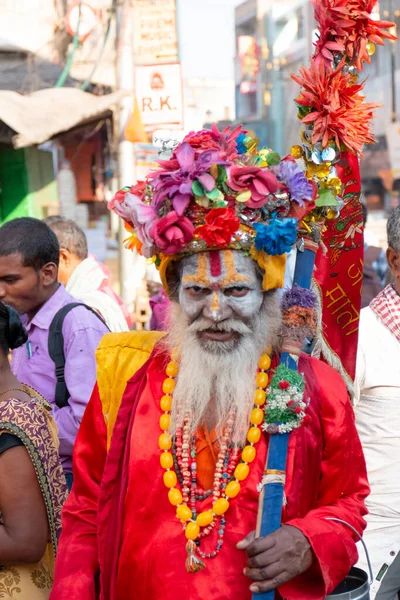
{"x":224,"y":141}
{"x":307,"y":420}
{"x":221,"y":224}
{"x":298,"y":410}
{"x":172,"y":233}
{"x":260,"y":182}
{"x":338,"y":111}
{"x":138,"y":190}
{"x":201,"y":140}
{"x":346,"y":26}
{"x":284,"y":385}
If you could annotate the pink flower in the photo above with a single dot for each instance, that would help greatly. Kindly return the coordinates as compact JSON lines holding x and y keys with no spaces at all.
{"x":141,"y":216}
{"x":259,"y":182}
{"x":172,"y":233}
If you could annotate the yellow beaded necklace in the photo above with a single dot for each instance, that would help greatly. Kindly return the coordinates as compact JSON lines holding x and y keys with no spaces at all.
{"x":193,"y":526}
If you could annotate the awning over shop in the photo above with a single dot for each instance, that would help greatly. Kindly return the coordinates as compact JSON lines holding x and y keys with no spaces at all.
{"x":38,"y":117}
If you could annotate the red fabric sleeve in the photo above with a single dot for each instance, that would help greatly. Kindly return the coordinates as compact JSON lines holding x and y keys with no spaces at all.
{"x":77,"y":559}
{"x":343,"y":489}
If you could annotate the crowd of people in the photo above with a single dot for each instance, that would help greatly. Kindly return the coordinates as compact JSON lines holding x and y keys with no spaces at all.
{"x":80,"y":418}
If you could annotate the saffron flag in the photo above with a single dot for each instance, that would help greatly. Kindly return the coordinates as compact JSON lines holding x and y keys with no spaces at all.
{"x":134,"y":130}
{"x":338,"y":275}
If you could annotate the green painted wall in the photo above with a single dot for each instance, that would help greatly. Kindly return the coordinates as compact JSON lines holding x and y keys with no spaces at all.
{"x":43,"y":193}
{"x":27,"y":184}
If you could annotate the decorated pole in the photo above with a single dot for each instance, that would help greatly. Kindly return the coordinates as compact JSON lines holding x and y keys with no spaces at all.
{"x":287,"y":388}
{"x":337,"y":124}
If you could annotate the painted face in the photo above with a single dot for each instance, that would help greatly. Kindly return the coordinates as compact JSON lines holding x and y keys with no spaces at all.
{"x":219,"y":286}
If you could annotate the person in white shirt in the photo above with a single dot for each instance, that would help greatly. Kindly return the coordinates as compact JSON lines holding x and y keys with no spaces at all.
{"x":85,"y":278}
{"x":377,"y":409}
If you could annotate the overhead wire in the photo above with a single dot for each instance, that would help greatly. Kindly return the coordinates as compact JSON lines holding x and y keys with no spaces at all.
{"x":63,"y":77}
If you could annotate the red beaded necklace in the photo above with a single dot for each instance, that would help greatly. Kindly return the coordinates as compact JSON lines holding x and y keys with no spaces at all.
{"x":229,"y":472}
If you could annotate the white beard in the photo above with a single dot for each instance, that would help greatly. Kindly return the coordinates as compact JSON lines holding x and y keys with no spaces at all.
{"x":219,"y":376}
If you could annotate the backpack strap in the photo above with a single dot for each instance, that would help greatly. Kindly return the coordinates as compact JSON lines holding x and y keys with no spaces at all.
{"x":56,"y":350}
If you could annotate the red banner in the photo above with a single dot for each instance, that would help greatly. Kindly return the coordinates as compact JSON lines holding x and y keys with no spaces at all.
{"x":338,"y":275}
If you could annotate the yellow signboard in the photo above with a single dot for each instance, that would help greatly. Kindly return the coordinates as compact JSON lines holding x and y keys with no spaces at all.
{"x":155,"y":35}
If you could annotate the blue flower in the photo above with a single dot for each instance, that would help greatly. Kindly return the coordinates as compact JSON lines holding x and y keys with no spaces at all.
{"x":277,"y":236}
{"x":241,"y":148}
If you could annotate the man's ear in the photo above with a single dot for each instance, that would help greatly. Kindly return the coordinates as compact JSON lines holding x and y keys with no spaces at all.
{"x":49,"y":274}
{"x":393,"y":259}
{"x":65,"y":257}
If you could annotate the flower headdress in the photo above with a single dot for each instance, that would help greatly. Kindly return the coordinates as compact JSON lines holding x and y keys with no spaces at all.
{"x":218,"y":191}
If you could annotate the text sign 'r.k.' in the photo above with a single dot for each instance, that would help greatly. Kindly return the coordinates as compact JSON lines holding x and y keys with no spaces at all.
{"x":159,"y":94}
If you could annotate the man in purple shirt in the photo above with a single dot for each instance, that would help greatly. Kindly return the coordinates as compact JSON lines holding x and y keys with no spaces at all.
{"x":29,"y":256}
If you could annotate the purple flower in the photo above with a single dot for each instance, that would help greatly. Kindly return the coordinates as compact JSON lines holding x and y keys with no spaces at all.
{"x":177,"y":184}
{"x":298,"y":296}
{"x":289,"y":173}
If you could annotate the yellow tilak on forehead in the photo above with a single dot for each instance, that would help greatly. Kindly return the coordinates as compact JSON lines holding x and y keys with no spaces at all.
{"x":232,"y":276}
{"x":201,"y":276}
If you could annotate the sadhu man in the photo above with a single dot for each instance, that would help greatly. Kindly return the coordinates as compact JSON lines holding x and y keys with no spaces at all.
{"x":172,"y":447}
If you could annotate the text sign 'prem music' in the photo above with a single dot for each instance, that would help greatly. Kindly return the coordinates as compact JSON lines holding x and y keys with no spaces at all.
{"x":159,"y":93}
{"x":155,"y":37}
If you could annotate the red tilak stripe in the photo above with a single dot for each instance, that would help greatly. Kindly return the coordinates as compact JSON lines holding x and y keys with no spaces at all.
{"x":215,"y":263}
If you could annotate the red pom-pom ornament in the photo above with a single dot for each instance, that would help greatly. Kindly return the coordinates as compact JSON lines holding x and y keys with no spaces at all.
{"x":284,"y":385}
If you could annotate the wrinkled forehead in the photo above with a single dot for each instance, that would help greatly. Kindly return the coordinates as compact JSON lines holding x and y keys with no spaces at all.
{"x":219,"y":267}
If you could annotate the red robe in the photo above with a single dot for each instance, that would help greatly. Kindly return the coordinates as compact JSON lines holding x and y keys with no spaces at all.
{"x":120,"y":535}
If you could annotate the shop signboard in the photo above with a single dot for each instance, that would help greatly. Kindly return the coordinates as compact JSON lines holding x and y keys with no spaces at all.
{"x":155,"y":34}
{"x":160,"y":96}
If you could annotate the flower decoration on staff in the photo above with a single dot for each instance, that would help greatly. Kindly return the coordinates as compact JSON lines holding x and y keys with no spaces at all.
{"x":347,"y":27}
{"x":298,"y":315}
{"x":286,"y":404}
{"x":218,"y":190}
{"x":332,"y":107}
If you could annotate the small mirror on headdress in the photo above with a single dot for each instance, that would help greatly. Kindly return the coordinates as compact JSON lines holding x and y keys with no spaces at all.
{"x":166,"y":142}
